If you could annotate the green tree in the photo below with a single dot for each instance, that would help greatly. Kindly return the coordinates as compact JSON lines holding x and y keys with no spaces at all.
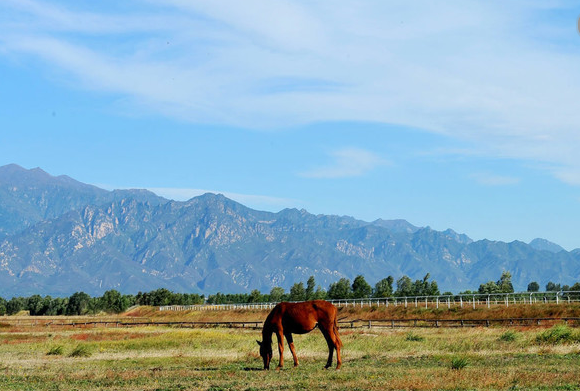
{"x":218,"y":298}
{"x":3,"y":303}
{"x":533,"y":287}
{"x":34,"y":305}
{"x":161,"y":297}
{"x":276,"y":294}
{"x":112,"y":301}
{"x":488,"y":287}
{"x":255,"y":296}
{"x":48,"y":306}
{"x":15,"y":305}
{"x":425,"y":288}
{"x":59,"y":306}
{"x":360,"y":288}
{"x":319,"y":294}
{"x":340,"y":289}
{"x":384,"y":288}
{"x":552,"y":287}
{"x":77,"y":303}
{"x":505,"y":283}
{"x":404,"y":287}
{"x":297,"y":292}
{"x":310,"y":286}
{"x":433,"y":289}
{"x":94,"y":306}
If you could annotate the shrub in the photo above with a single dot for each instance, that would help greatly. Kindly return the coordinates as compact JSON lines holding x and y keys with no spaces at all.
{"x":81,"y":351}
{"x":458,"y":363}
{"x":508,"y":336}
{"x":557,"y":334}
{"x":55,"y":351}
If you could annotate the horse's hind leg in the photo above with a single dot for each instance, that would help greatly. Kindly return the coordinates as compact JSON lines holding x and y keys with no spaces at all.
{"x":292,"y":349}
{"x":331,"y":345}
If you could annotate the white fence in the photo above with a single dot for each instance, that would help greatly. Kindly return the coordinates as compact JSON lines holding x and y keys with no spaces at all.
{"x":448,"y":301}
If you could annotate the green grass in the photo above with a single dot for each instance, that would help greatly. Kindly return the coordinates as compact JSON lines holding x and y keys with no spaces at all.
{"x":458,"y":363}
{"x":411,"y":336}
{"x":509,"y":336}
{"x":55,"y":351}
{"x":161,"y":358}
{"x":559,"y":334}
{"x":81,"y":351}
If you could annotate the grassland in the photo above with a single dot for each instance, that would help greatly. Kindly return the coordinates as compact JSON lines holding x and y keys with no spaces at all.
{"x":164,"y":358}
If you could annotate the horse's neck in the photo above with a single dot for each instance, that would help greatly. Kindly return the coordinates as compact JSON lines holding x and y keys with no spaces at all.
{"x":267,"y":333}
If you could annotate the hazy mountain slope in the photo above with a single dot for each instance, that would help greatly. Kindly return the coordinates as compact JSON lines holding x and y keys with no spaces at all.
{"x":546,"y":245}
{"x":30,"y":196}
{"x":211,"y":243}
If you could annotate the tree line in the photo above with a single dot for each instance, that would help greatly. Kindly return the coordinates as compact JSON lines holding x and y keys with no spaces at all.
{"x":342,"y":289}
{"x":113,"y":301}
{"x":81,"y":303}
{"x":504,"y":285}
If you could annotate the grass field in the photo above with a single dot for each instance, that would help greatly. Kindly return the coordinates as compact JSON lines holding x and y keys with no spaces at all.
{"x":164,"y":358}
{"x":161,"y":358}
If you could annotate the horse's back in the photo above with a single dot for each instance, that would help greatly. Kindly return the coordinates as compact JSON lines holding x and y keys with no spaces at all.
{"x":304,"y":316}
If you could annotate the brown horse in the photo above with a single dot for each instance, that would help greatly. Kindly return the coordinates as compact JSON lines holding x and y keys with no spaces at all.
{"x":300,"y":318}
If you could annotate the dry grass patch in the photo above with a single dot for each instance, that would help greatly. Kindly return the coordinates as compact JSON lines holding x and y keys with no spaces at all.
{"x":223,"y":359}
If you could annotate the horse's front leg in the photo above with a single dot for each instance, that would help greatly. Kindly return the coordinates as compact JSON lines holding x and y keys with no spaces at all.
{"x":292,"y":349}
{"x":280,"y":338}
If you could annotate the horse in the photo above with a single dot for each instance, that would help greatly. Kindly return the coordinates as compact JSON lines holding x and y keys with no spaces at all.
{"x":300,"y":318}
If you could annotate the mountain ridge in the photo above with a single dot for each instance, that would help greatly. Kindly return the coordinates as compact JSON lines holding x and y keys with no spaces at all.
{"x":134,"y":241}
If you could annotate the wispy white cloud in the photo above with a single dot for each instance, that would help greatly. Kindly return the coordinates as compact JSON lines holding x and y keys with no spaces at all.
{"x":471,"y":70}
{"x":488,"y":179}
{"x":348,"y":162}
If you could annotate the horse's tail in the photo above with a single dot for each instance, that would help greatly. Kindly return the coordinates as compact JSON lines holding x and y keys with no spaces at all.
{"x":335,"y":331}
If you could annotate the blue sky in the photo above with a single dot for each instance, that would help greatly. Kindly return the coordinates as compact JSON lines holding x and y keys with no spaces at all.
{"x":456,"y":114}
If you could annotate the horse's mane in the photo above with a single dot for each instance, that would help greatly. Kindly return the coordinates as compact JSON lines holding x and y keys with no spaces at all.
{"x":268,"y":328}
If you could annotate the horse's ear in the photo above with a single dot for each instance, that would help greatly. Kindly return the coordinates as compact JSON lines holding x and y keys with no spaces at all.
{"x":259,"y":343}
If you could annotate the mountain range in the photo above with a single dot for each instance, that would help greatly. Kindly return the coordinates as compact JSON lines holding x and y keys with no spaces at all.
{"x":59,"y":236}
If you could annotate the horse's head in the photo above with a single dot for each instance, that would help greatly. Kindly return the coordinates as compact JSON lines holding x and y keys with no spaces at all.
{"x":266,"y":353}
